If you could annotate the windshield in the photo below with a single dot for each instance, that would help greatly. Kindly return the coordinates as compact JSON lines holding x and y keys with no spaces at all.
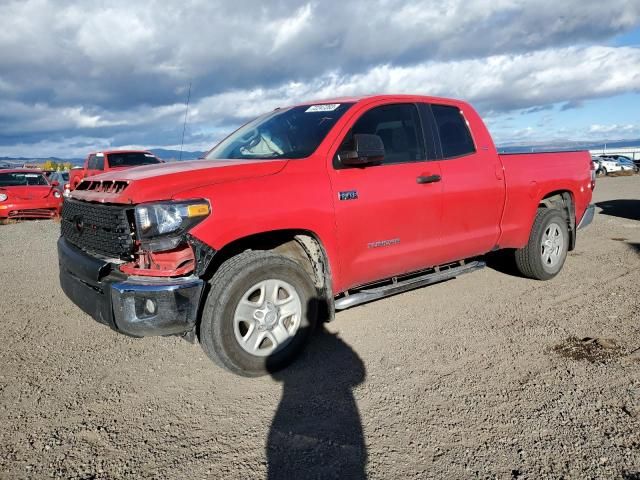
{"x":65,"y":176}
{"x":131,"y":159}
{"x":293,"y":132}
{"x":21,"y":179}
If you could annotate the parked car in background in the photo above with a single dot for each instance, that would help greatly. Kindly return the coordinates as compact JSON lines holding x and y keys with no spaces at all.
{"x":608,"y":165}
{"x":624,"y":157}
{"x":26,"y":193}
{"x":101,"y":162}
{"x":62,"y":179}
{"x":625,"y":162}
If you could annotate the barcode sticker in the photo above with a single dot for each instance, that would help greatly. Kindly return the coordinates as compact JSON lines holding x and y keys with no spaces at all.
{"x":326,"y":107}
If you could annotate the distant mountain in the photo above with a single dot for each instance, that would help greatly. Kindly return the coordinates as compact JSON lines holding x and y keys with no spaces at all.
{"x":560,"y":146}
{"x":162,"y":153}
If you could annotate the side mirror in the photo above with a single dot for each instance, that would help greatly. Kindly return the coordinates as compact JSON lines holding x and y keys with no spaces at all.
{"x":367,"y":149}
{"x":55,"y":183}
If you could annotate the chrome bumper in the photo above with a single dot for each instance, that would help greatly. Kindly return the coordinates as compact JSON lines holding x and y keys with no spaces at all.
{"x":587,"y":218}
{"x":145,"y":307}
{"x":136,"y":306}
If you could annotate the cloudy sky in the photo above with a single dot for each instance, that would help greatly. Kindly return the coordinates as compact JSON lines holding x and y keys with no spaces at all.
{"x":86,"y":75}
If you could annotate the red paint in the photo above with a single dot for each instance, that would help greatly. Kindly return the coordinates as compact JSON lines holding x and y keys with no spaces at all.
{"x":484,"y":199}
{"x":172,"y":263}
{"x":76,"y":175}
{"x":29,"y":201}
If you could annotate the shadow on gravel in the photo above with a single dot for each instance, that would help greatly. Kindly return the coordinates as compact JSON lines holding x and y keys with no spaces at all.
{"x":629,"y":209}
{"x":316,"y":431}
{"x":636,"y":248}
{"x":631,"y":475}
{"x":502,"y":261}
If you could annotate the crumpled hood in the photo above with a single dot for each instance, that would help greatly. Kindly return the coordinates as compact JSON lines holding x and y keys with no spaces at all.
{"x":163,"y":181}
{"x":27,"y":192}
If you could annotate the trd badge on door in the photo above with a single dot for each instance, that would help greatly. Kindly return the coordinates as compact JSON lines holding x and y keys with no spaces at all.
{"x":349,"y":195}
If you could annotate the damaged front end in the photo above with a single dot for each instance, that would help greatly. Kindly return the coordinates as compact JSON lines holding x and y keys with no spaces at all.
{"x":135,"y":269}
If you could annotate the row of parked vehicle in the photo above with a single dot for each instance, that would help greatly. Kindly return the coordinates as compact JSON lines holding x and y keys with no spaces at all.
{"x":38,"y":193}
{"x":606,"y":164}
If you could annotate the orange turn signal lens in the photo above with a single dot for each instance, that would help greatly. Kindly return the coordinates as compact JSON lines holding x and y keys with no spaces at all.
{"x":198,"y":210}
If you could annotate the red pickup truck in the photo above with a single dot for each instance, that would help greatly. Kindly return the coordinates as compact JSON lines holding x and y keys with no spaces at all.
{"x":101,"y":162}
{"x":308,"y":209}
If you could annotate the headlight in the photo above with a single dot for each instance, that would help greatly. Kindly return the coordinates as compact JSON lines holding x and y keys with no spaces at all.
{"x":3,"y":197}
{"x":160,"y":226}
{"x":56,"y":194}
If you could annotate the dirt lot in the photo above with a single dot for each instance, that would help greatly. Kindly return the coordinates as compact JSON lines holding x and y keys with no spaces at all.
{"x":488,"y":375}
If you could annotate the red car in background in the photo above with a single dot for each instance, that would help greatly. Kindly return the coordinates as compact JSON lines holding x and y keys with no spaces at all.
{"x":26,"y":193}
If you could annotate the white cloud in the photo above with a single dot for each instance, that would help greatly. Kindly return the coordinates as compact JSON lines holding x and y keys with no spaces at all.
{"x":501,"y":82}
{"x":288,"y":29}
{"x":121,"y":68}
{"x":618,"y":130}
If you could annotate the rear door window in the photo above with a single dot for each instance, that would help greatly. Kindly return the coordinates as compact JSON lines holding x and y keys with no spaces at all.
{"x":455,"y":137}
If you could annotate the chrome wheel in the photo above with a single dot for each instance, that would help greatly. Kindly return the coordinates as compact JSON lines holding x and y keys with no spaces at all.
{"x":267,"y":317}
{"x":552,"y":246}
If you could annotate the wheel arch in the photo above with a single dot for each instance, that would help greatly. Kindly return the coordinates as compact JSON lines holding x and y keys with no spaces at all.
{"x":300,"y":245}
{"x":564,"y":201}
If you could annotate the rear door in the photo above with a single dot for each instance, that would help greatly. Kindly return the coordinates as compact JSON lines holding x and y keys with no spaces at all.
{"x":386,"y":220}
{"x":473,"y":187}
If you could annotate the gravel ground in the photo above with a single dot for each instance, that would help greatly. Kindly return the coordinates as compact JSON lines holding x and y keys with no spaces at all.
{"x":485,"y":376}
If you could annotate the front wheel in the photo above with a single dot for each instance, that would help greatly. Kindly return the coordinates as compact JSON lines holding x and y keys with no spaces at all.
{"x":544,"y":255}
{"x":259,"y":313}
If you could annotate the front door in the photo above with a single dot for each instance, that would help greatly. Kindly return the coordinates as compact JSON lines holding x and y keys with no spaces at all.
{"x":387,"y":214}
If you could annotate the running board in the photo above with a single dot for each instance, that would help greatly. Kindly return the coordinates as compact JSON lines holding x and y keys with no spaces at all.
{"x":375,"y":293}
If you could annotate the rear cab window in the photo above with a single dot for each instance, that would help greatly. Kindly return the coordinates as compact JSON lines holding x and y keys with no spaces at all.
{"x":455,"y":137}
{"x":131,"y":159}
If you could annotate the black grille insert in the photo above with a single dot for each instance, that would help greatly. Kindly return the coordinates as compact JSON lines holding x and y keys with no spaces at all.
{"x":97,"y":228}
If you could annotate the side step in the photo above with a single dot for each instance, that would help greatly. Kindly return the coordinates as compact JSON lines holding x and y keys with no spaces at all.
{"x":375,"y":293}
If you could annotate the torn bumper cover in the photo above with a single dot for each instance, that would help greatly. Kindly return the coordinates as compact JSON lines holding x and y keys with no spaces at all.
{"x":135,"y":306}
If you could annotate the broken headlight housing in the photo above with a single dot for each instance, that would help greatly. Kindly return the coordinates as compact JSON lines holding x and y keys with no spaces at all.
{"x":161,"y":226}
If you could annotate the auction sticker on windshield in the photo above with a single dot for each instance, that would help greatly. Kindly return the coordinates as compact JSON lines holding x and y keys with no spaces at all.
{"x":327,"y":107}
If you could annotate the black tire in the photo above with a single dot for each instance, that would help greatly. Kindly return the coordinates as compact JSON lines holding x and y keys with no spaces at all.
{"x":529,"y":259}
{"x":232,"y":280}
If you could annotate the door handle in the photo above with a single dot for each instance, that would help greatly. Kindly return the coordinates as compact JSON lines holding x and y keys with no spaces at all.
{"x":428,"y":179}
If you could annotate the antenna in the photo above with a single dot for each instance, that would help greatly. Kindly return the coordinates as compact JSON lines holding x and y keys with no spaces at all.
{"x":184,"y":127}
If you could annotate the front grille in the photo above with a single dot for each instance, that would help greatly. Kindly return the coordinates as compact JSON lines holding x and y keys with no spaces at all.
{"x":97,"y":228}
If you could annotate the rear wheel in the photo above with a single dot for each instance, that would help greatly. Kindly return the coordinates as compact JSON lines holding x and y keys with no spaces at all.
{"x":544,"y":255}
{"x":259,"y":313}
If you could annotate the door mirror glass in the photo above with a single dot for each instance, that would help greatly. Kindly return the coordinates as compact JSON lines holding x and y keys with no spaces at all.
{"x":366,"y":149}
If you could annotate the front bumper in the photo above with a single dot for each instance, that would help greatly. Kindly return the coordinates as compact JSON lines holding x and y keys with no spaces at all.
{"x":41,"y":208}
{"x":587,"y":217}
{"x":135,"y":306}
